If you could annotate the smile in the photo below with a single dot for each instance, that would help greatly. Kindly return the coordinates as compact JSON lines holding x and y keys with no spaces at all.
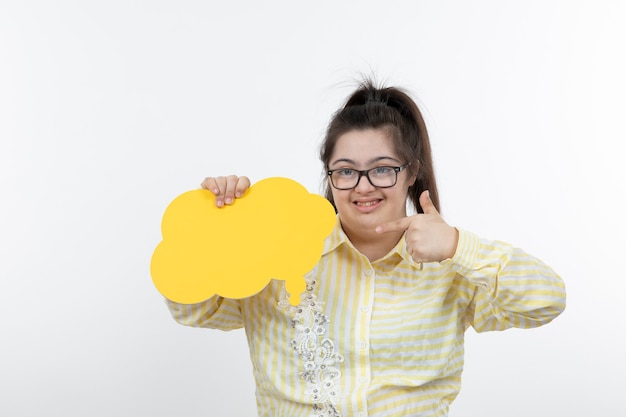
{"x":366,"y":203}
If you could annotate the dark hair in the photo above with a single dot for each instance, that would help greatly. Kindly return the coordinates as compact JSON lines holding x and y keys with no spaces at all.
{"x":394,"y":111}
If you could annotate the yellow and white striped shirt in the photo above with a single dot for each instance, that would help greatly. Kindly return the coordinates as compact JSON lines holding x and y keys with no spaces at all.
{"x":383,"y":338}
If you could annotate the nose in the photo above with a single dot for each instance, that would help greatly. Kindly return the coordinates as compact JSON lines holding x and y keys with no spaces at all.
{"x":364,"y":185}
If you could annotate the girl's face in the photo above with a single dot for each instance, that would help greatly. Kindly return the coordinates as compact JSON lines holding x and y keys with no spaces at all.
{"x":364,"y":207}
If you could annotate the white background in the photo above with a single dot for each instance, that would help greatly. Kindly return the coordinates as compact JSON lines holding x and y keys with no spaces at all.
{"x":110,"y":109}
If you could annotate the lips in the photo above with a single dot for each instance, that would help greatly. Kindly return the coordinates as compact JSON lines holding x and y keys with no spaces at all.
{"x":366,"y":204}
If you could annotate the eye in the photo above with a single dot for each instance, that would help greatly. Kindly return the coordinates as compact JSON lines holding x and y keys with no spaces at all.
{"x":345,"y":172}
{"x":382,"y":170}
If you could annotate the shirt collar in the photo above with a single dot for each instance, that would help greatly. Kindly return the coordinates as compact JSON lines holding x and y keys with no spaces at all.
{"x":335,"y":239}
{"x":338,"y":237}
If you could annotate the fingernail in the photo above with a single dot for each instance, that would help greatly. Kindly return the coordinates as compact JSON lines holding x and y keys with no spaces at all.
{"x":229,"y":200}
{"x":237,"y":194}
{"x":220,"y":203}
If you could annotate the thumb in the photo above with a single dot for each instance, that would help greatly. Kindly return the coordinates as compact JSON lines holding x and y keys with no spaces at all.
{"x":427,"y":203}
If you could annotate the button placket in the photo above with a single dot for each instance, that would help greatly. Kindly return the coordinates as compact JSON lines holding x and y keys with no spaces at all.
{"x":365,"y":311}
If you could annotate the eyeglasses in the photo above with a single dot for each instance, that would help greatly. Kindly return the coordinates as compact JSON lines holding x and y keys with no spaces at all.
{"x":380,"y":177}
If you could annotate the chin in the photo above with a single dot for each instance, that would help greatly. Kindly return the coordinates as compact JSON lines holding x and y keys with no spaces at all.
{"x":362,"y":222}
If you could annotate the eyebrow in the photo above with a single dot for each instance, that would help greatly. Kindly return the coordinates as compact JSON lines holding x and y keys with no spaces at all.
{"x":370,"y":162}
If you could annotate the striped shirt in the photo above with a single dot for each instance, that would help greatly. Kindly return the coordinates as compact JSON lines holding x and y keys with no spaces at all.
{"x":383,"y":338}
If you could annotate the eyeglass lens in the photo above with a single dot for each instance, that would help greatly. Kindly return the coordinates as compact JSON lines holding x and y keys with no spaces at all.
{"x":349,"y":178}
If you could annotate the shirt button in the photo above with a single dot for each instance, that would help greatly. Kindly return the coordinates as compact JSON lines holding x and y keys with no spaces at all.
{"x":363,"y":345}
{"x":369,"y":272}
{"x":363,"y":380}
{"x":365,"y":308}
{"x":361,"y":414}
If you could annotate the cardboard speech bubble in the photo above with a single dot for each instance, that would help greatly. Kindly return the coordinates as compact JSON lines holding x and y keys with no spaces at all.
{"x":276,"y":230}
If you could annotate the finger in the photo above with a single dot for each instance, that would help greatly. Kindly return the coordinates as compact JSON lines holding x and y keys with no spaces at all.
{"x":229,"y":192}
{"x":226,"y":189}
{"x":427,"y":203}
{"x":210,"y":184}
{"x":221,"y":189}
{"x":395,"y":226}
{"x":216,"y":186}
{"x":242,"y":185}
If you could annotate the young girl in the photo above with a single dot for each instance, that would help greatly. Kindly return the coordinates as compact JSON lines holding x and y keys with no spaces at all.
{"x":380,"y":329}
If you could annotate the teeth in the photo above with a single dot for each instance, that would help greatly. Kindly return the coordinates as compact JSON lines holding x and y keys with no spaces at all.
{"x":366,"y":203}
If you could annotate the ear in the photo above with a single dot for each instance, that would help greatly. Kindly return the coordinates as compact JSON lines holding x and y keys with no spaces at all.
{"x":414,"y":175}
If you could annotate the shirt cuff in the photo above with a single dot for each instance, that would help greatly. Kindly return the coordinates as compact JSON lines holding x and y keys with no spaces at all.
{"x":466,"y":252}
{"x":466,"y":260}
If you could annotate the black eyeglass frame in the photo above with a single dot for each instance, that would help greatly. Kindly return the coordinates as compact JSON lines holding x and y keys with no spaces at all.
{"x":366,"y":173}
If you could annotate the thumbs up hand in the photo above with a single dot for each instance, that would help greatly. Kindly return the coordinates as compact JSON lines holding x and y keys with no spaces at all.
{"x":428,"y":237}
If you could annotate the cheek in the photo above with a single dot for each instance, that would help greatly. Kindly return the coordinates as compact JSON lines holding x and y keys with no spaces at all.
{"x":399,"y":198}
{"x":336,"y":195}
{"x":407,"y":182}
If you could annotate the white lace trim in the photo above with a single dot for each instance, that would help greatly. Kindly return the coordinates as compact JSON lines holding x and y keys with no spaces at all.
{"x":316,"y":351}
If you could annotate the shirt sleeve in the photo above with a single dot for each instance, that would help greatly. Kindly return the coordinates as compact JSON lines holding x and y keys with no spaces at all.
{"x":215,"y":313}
{"x":510,"y":287}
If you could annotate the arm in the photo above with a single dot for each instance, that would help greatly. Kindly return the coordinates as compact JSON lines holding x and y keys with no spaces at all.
{"x":215,"y":313}
{"x":511,"y":287}
{"x":507,"y":287}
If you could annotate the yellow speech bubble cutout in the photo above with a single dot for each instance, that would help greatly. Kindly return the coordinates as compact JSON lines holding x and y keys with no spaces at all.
{"x":275,"y":231}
